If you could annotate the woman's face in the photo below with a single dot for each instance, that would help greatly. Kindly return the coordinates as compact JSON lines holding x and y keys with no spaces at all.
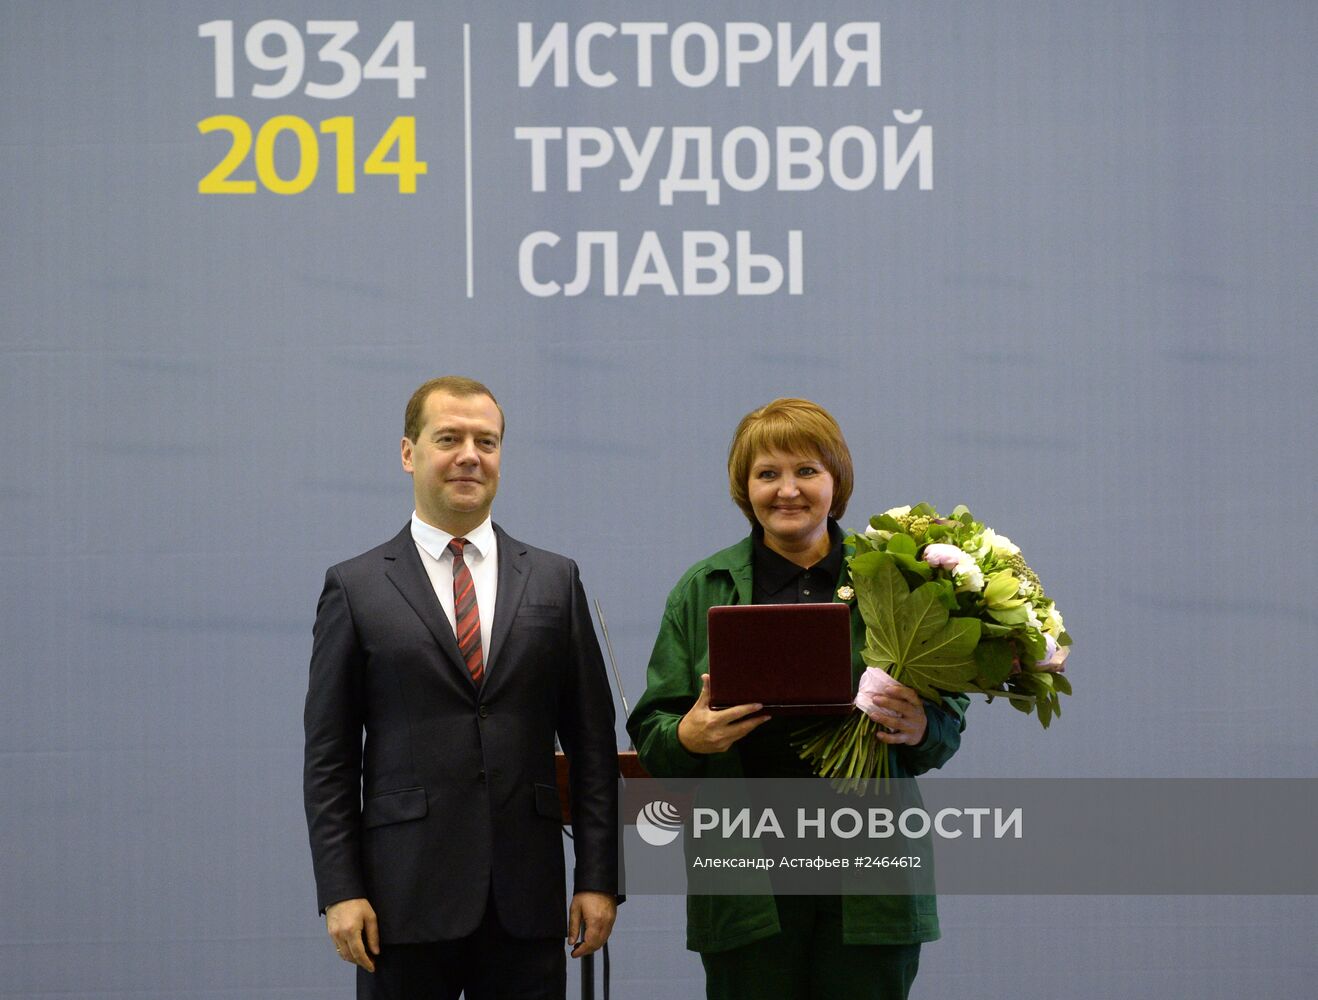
{"x":791,"y":496}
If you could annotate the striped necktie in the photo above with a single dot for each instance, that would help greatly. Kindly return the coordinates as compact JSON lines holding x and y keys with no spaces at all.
{"x":466,"y":613}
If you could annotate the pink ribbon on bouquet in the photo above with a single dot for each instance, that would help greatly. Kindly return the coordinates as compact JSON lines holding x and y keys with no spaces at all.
{"x":874,"y":682}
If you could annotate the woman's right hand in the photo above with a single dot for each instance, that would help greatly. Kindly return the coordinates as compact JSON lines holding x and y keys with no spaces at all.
{"x":705,"y":730}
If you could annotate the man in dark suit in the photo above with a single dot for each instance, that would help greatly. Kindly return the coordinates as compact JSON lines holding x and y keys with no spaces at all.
{"x":459,"y":652}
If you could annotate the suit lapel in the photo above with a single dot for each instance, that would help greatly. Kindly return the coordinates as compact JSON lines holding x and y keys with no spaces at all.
{"x":513,"y":571}
{"x":404,"y":570}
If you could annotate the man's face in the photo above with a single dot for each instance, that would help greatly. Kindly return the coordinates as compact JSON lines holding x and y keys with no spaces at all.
{"x":454,"y":462}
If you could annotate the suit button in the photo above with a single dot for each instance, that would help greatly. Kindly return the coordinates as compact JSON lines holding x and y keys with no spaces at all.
{"x":483,"y":712}
{"x":480,"y":775}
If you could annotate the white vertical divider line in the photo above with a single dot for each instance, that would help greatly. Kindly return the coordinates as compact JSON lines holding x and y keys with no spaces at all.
{"x":466,"y":99}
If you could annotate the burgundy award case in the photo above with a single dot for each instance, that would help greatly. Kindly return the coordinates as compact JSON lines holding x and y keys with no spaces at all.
{"x":794,"y":659}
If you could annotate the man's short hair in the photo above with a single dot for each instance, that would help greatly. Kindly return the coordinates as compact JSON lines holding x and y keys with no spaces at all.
{"x":792,"y":425}
{"x":454,"y":385}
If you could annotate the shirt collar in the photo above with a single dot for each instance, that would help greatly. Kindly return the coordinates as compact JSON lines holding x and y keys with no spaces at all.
{"x":774,"y":572}
{"x":435,"y":540}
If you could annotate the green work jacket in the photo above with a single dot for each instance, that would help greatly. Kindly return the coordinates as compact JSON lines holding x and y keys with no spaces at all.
{"x":681,"y":655}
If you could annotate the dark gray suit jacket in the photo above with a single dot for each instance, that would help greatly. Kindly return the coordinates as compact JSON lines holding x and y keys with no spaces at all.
{"x":451,"y":792}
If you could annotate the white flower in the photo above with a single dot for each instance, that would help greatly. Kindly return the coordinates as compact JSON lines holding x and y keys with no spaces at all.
{"x":878,"y":533}
{"x":1032,"y":617}
{"x":1000,"y":544}
{"x":1025,"y":589}
{"x":1052,"y":621}
{"x":897,"y":512}
{"x":969,"y":577}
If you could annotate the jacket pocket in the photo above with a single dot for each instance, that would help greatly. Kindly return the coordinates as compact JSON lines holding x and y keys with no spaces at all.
{"x":547,"y":804}
{"x":541,"y":610}
{"x":394,"y":807}
{"x":541,"y":615}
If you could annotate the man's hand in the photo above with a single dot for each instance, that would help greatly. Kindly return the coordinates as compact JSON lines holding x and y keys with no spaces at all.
{"x":353,"y":929}
{"x":589,"y":921}
{"x":704,"y":730}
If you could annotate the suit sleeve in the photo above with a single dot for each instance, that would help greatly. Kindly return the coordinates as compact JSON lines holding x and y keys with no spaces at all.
{"x":585,"y":729}
{"x":332,"y":773}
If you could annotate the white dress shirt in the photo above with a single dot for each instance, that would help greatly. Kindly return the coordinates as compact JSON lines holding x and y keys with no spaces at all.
{"x":481,"y":556}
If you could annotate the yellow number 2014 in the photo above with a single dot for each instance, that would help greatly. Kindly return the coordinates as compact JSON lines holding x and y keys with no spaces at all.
{"x":399,"y":138}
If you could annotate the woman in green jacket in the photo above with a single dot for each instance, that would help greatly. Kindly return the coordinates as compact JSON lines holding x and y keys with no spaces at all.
{"x":790,"y":472}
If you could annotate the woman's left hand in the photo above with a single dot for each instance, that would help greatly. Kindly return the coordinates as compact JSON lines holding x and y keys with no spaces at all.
{"x":904,"y":717}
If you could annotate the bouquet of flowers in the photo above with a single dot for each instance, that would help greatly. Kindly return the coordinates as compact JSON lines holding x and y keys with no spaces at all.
{"x":949,"y":607}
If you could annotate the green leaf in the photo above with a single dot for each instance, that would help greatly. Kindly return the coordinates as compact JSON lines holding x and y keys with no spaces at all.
{"x":935,"y":651}
{"x":885,"y":522}
{"x":860,"y":543}
{"x":998,"y":631}
{"x":902,"y":545}
{"x":880,"y":589}
{"x":993,"y":660}
{"x":874,"y":654}
{"x":911,"y":629}
{"x":1025,"y":683}
{"x":1010,"y":616}
{"x":866,"y":565}
{"x":945,"y":656}
{"x":1062,"y":684}
{"x":947,"y":594}
{"x":1035,"y":647}
{"x":917,"y":566}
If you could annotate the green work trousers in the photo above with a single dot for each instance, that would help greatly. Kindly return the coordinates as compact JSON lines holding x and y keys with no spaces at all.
{"x":808,"y":961}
